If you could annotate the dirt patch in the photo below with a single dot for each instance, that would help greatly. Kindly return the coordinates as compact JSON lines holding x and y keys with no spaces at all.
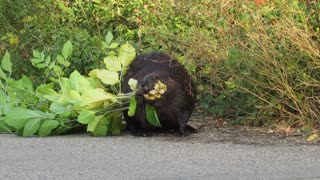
{"x":217,"y":130}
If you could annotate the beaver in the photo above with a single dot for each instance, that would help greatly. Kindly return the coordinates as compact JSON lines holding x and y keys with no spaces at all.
{"x":175,"y":105}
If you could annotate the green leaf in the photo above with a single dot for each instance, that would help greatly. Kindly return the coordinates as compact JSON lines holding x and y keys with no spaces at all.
{"x":97,"y":1}
{"x":22,"y":90}
{"x":105,"y":120}
{"x":6,"y":63}
{"x":35,"y":60}
{"x":41,"y":65}
{"x":3,"y":75}
{"x":57,"y":70}
{"x":47,"y":126}
{"x":104,"y":44}
{"x":52,"y":65}
{"x":60,"y":59}
{"x":65,"y":88}
{"x":152,"y":116}
{"x":132,"y":107}
{"x":42,"y":56}
{"x":46,"y":91}
{"x":3,"y":97}
{"x":31,"y":127}
{"x":48,"y":61}
{"x":67,"y":50}
{"x":18,"y":117}
{"x":126,"y":54}
{"x":109,"y":38}
{"x":36,"y":54}
{"x":112,"y":63}
{"x":27,"y":83}
{"x":4,"y":128}
{"x":86,"y":116}
{"x":93,"y":124}
{"x":79,"y":82}
{"x":100,"y":130}
{"x":116,"y":123}
{"x":58,"y":108}
{"x":108,"y":77}
{"x":113,"y":45}
{"x":1,"y":85}
{"x":66,"y":64}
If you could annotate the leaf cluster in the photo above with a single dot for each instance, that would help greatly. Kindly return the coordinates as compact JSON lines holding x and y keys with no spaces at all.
{"x":64,"y":103}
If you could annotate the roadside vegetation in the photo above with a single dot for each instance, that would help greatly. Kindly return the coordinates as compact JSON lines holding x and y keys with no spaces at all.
{"x":254,"y":62}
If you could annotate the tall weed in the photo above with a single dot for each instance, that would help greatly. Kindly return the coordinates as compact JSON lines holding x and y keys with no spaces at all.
{"x":255,"y":63}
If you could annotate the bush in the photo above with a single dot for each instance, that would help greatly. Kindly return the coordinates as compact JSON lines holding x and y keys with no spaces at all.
{"x":254,"y":62}
{"x":33,"y":25}
{"x":65,"y":104}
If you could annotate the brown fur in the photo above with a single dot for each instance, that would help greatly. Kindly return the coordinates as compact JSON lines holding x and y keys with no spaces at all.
{"x":175,"y":106}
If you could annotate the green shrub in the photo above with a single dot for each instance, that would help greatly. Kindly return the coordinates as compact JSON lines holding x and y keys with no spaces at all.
{"x":35,"y":25}
{"x":65,"y":103}
{"x":254,"y":63}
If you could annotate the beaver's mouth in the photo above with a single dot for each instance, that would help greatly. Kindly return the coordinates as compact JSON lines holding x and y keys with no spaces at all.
{"x":152,"y":94}
{"x":157,"y":92}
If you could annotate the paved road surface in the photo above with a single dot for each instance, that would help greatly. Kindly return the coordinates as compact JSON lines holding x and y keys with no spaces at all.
{"x":126,"y":157}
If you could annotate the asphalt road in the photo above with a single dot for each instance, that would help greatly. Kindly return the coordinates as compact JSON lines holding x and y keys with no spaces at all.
{"x":126,"y":157}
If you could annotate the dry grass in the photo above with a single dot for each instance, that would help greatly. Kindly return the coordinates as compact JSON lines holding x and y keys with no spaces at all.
{"x":270,"y":52}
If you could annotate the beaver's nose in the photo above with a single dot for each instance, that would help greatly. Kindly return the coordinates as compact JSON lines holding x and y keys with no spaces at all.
{"x":144,"y":87}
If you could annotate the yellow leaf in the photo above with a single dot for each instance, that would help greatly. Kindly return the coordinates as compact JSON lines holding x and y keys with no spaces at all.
{"x":95,"y":97}
{"x":108,"y":77}
{"x":112,"y":63}
{"x":93,"y":73}
{"x":14,"y":40}
{"x":312,"y":137}
{"x":74,"y":94}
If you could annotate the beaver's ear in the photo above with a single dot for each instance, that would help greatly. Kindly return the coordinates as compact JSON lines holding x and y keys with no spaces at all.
{"x":156,"y":75}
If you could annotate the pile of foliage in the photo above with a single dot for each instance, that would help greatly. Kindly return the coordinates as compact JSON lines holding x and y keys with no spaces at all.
{"x":64,"y":104}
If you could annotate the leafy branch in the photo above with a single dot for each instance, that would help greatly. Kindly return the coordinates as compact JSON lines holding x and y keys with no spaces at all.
{"x":66,"y":102}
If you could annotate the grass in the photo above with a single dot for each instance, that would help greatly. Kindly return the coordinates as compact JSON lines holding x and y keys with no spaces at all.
{"x":259,"y":63}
